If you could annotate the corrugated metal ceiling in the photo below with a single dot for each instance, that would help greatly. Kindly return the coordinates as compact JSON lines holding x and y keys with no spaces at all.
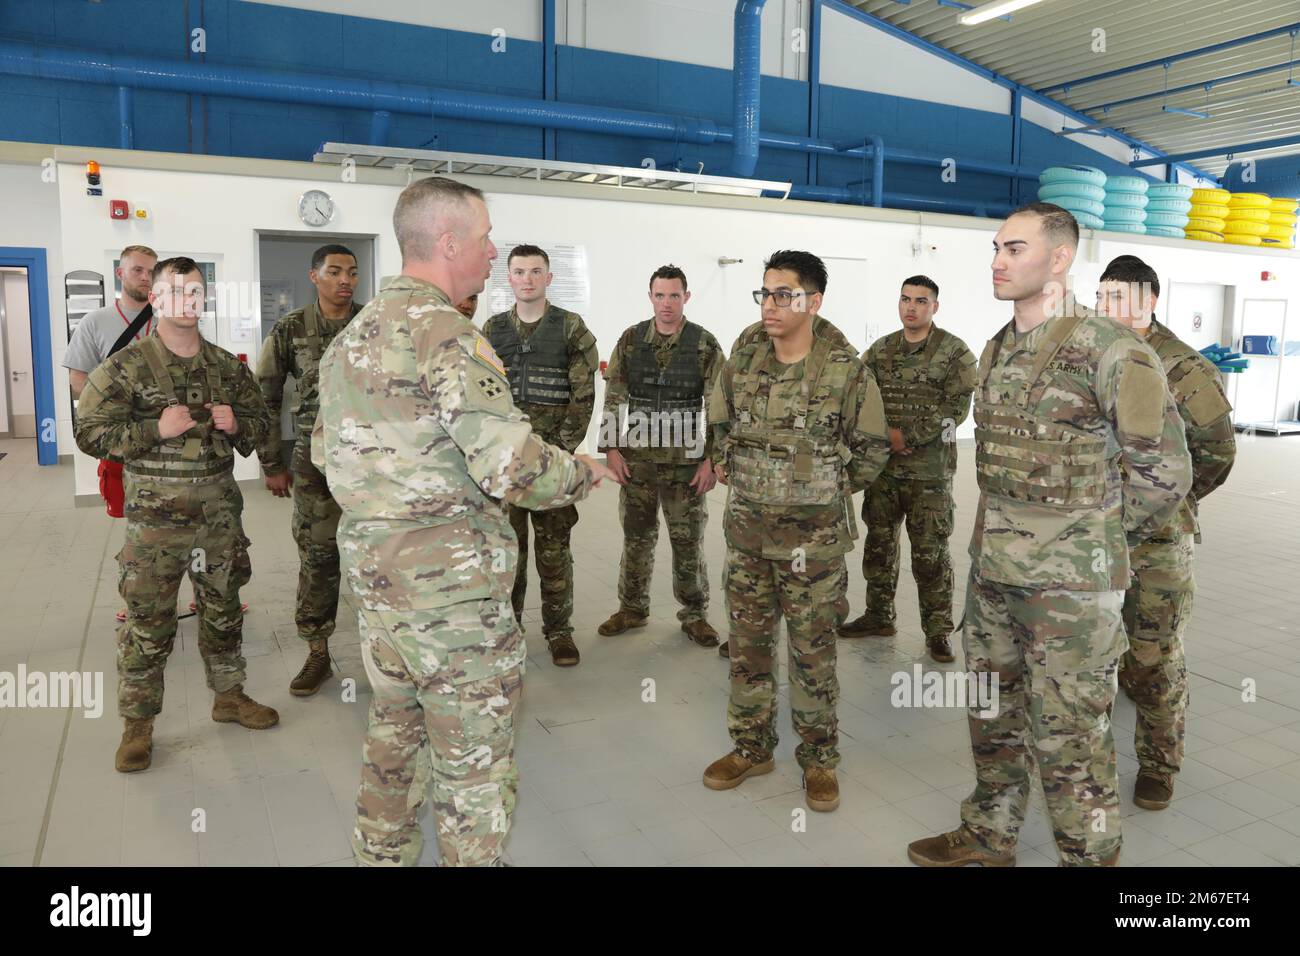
{"x":1053,"y":42}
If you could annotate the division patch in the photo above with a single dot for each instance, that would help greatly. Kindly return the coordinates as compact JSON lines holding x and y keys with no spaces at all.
{"x":491,"y":387}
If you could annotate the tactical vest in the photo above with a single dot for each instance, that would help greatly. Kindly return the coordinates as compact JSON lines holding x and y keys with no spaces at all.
{"x":308,"y":351}
{"x":1027,"y":457}
{"x":538,"y":369}
{"x":770,"y":464}
{"x":201,"y":457}
{"x":679,"y":387}
{"x":912,"y":391}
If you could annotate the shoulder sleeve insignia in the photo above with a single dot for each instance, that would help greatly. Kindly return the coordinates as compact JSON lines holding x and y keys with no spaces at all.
{"x":483,"y":351}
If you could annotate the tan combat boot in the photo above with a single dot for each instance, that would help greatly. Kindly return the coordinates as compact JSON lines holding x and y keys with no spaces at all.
{"x":939,"y":648}
{"x":955,"y":848}
{"x":1153,"y":789}
{"x":564,"y":653}
{"x":867,"y":626}
{"x":314,"y":670}
{"x":701,"y":632}
{"x":821,"y":789}
{"x":136,"y":749}
{"x":619,"y":622}
{"x":733,"y":770}
{"x":234,"y":706}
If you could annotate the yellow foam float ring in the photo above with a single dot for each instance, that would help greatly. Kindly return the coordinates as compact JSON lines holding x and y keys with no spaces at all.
{"x":1252,"y":214}
{"x":1282,"y":219}
{"x":1285,"y":205}
{"x":1206,"y":225}
{"x":1212,"y":196}
{"x":1281,"y":233}
{"x":1274,"y":244}
{"x":1239,"y":240}
{"x":1204,"y":236}
{"x":1203,"y":210}
{"x":1250,"y":201}
{"x":1237,"y":227}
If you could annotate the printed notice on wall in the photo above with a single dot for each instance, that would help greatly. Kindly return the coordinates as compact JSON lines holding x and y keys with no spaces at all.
{"x":570,"y":289}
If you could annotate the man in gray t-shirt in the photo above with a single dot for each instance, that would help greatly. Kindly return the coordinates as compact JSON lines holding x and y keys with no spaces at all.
{"x":98,"y":330}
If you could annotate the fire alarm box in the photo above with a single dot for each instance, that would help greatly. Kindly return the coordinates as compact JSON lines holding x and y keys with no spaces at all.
{"x":117,"y":209}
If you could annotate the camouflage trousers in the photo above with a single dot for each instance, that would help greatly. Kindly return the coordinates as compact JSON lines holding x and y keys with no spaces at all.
{"x":175,"y":529}
{"x":441,"y":713}
{"x":315,"y":525}
{"x":1156,"y":610}
{"x":814,"y":602}
{"x":1055,"y":654}
{"x":927,"y":507}
{"x":554,"y":562}
{"x":653,"y":486}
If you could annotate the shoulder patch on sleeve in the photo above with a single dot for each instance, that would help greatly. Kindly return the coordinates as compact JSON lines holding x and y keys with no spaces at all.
{"x":484,"y":352}
{"x":871,"y":418}
{"x":1140,"y":404}
{"x":1207,"y":405}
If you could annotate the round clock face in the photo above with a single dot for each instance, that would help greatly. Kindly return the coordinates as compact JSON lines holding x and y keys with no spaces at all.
{"x":315,"y":208}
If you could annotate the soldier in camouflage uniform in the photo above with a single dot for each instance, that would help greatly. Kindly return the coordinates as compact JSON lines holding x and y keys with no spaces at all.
{"x":1079,"y":453}
{"x":800,"y":426}
{"x":658,"y":379}
{"x":822,"y":329}
{"x":295,"y":347}
{"x":926,"y":376}
{"x":551,"y":360}
{"x":1158,"y":604}
{"x":175,"y":409}
{"x":423,"y":448}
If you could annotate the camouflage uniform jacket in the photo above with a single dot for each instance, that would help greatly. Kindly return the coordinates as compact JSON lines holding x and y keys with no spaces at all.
{"x":844,"y":408}
{"x":119,"y":409}
{"x":1079,"y":453}
{"x":926,"y":387}
{"x":1206,"y":414}
{"x":290,"y":349}
{"x":422,"y":448}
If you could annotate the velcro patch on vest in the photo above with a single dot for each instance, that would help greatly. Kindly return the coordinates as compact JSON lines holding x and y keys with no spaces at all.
{"x":484,"y":352}
{"x":1140,"y":405}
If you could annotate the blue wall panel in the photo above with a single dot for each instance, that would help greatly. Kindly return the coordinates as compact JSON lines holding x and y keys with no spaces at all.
{"x":273,"y":37}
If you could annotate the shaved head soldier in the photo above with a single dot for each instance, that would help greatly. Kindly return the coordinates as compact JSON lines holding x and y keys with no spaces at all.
{"x":1079,"y":454}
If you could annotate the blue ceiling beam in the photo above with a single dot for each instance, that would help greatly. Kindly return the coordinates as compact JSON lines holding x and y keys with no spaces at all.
{"x":1188,"y":87}
{"x":992,"y":76}
{"x":1223,"y":150}
{"x":1173,"y":58}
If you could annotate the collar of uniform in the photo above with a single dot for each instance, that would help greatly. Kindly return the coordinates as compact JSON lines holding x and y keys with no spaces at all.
{"x":652,"y":332}
{"x":353,"y":310}
{"x":412,"y":284}
{"x":915,"y":346}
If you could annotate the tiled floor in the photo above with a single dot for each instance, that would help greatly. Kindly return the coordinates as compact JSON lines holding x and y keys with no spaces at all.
{"x":608,"y":779}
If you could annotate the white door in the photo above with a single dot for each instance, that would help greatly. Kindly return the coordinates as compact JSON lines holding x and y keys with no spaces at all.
{"x":15,"y":317}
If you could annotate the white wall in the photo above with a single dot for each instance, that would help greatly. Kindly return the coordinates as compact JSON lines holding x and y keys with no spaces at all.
{"x":858,"y":56}
{"x":218,"y":214}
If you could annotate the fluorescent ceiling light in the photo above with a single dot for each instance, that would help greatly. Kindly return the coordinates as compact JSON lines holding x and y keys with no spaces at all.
{"x":997,"y":8}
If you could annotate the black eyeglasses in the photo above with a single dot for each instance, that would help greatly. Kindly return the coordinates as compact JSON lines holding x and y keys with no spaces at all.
{"x":782,"y":297}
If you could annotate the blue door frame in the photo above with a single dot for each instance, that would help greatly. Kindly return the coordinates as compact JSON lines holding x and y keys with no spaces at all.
{"x":38,"y":297}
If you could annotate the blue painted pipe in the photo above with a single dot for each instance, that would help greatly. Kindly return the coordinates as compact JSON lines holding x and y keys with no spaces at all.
{"x":379,"y":120}
{"x":125,"y":120}
{"x":900,"y":200}
{"x":746,"y":80}
{"x":157,"y":73}
{"x":21,"y":58}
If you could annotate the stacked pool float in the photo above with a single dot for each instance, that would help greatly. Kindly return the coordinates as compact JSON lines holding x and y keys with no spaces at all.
{"x":1079,"y":189}
{"x":1168,"y":210}
{"x":1281,"y":224}
{"x":1247,"y":221}
{"x":1125,"y":204}
{"x":1209,"y":214}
